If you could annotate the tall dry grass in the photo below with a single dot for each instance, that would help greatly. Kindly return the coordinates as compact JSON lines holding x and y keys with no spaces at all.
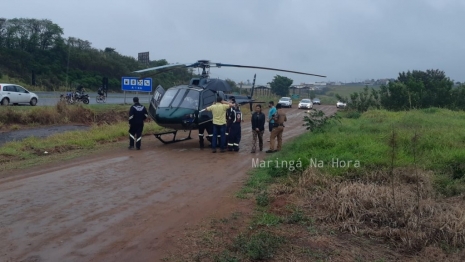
{"x":61,"y":113}
{"x":413,"y":218}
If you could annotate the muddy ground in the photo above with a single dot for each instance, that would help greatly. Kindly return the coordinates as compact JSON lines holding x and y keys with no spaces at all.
{"x":123,"y":205}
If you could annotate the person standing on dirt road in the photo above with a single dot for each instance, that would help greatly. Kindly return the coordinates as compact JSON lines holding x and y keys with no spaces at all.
{"x":219,"y":122}
{"x":278,"y":128}
{"x":258,"y":128}
{"x":137,"y":115}
{"x":270,"y":115}
{"x":229,"y":118}
{"x":235,"y":131}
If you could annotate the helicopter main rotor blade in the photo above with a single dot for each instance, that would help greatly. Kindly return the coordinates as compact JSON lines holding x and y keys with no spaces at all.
{"x":166,"y":67}
{"x":266,"y":68}
{"x":163,"y":69}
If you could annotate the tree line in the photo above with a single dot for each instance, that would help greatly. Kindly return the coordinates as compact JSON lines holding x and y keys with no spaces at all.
{"x":35,"y":52}
{"x":411,"y":90}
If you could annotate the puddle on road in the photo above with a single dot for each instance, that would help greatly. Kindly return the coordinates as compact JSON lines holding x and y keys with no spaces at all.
{"x":41,"y":132}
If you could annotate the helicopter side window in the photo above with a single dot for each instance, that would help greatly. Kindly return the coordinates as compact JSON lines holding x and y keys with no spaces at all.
{"x":191,"y":100}
{"x":208,"y":98}
{"x":168,"y":97}
{"x":178,"y":98}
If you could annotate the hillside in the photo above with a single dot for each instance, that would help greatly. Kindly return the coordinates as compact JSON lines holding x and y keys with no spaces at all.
{"x":35,"y":52}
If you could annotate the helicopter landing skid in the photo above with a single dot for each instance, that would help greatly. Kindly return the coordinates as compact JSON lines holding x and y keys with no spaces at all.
{"x":174,"y":140}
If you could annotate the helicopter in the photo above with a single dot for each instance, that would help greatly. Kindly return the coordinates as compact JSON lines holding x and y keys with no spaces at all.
{"x":182,"y":107}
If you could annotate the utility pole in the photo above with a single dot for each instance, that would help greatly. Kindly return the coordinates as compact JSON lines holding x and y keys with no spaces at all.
{"x":67,"y":67}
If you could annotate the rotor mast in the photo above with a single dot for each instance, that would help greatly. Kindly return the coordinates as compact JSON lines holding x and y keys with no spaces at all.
{"x":205,"y":65}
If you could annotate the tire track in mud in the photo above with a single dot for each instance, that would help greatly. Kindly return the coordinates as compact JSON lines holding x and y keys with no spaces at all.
{"x":123,"y":206}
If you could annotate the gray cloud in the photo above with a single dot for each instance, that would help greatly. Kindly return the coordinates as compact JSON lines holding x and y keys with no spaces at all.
{"x":344,"y":40}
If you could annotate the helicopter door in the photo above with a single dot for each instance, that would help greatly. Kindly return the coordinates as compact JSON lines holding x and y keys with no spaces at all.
{"x":157,"y":95}
{"x":155,"y":103}
{"x":208,"y":98}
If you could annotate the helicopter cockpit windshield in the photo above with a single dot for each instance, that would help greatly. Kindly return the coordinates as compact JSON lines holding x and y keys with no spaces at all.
{"x":183,"y":98}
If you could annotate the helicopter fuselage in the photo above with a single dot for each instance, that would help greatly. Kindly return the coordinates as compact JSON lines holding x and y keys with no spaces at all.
{"x":178,"y":108}
{"x":181,"y":107}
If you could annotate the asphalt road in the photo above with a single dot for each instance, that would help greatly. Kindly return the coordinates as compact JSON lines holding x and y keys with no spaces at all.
{"x":51,"y":98}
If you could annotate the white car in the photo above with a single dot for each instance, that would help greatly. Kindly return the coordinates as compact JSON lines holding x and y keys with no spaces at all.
{"x":285,"y":102}
{"x":340,"y":104}
{"x":16,"y":94}
{"x":306,"y":103}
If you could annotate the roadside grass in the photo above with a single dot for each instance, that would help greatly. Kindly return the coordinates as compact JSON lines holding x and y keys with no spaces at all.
{"x":13,"y":118}
{"x":266,"y":99}
{"x":16,"y":117}
{"x":347,"y":90}
{"x":62,"y":113}
{"x":33,"y":149}
{"x":329,"y":98}
{"x":401,"y":197}
{"x":360,"y":145}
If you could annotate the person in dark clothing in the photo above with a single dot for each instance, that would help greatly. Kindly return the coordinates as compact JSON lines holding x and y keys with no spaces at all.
{"x":234,"y":137}
{"x":230,"y":117}
{"x":202,"y":128}
{"x":258,"y":128}
{"x":100,"y":91}
{"x":80,"y":89}
{"x":137,"y":115}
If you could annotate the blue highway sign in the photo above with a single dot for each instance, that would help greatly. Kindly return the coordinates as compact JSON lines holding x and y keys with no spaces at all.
{"x":136,"y":84}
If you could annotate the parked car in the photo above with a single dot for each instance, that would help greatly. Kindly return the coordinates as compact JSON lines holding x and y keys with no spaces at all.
{"x":16,"y":94}
{"x":340,"y":104}
{"x":306,"y":103}
{"x":285,"y":102}
{"x":316,"y":101}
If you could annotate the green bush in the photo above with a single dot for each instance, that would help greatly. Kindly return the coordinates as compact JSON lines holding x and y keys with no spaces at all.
{"x":260,"y":246}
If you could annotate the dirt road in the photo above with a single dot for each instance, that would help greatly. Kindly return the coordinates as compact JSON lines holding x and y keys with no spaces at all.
{"x":123,"y":205}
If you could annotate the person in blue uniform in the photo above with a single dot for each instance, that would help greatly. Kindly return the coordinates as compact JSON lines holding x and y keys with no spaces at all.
{"x":137,"y":115}
{"x":234,"y":137}
{"x":229,"y":119}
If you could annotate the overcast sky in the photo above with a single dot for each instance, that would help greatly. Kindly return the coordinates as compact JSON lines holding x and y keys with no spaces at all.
{"x":341,"y":39}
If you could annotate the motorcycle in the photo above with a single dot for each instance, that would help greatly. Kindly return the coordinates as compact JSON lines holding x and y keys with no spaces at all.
{"x":75,"y":97}
{"x":81,"y":97}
